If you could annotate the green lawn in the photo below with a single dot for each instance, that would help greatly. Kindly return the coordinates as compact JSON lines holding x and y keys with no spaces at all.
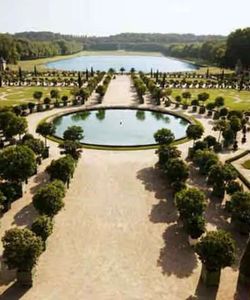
{"x":16,"y":95}
{"x":246,"y":164}
{"x":233,"y":99}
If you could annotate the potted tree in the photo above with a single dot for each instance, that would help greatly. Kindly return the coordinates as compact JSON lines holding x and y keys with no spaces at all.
{"x":240,"y":209}
{"x":21,"y":251}
{"x":190,"y":203}
{"x":42,"y":227}
{"x":48,"y":200}
{"x":216,"y":251}
{"x":195,"y":227}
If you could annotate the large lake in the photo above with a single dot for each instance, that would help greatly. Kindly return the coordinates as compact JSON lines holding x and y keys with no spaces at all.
{"x":105,"y":62}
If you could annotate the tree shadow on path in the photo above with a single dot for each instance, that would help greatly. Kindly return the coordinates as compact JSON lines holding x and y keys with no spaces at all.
{"x":154,"y":181}
{"x":176,"y":257}
{"x":25,"y":216}
{"x":14,"y":292}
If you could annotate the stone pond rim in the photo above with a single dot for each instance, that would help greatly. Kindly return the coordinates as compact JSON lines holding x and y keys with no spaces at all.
{"x":58,"y":139}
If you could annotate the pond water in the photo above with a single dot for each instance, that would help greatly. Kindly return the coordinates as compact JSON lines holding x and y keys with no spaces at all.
{"x":121,"y":127}
{"x":105,"y":62}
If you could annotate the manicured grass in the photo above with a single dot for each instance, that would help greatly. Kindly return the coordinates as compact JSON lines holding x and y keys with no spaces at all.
{"x":40,"y":63}
{"x":17,"y":95}
{"x":233,"y":98}
{"x":246,"y":164}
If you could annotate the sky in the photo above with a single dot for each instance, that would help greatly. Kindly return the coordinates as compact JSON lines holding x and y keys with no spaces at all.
{"x":106,"y":17}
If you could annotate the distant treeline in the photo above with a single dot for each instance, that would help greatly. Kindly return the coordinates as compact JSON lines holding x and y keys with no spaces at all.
{"x":18,"y":47}
{"x":215,"y":49}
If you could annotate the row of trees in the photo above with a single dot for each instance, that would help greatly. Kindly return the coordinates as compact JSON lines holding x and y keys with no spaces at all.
{"x":216,"y":249}
{"x":102,"y":88}
{"x":22,"y":247}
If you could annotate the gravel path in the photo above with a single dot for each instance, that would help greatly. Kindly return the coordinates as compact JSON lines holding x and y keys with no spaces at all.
{"x":118,"y":235}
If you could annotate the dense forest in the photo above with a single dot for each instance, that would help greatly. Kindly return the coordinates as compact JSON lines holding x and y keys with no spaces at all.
{"x":215,"y":49}
{"x":15,"y":47}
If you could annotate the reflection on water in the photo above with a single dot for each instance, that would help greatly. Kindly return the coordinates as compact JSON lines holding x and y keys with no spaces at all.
{"x":160,"y":116}
{"x":123,"y":127}
{"x":140,"y":115}
{"x":100,"y":114}
{"x":105,"y":62}
{"x":80,"y":116}
{"x":183,"y":122}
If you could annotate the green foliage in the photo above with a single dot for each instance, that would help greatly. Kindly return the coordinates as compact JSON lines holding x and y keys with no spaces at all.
{"x":176,"y":170}
{"x":190,"y":202}
{"x":17,"y":163}
{"x":195,"y":131}
{"x":46,"y":129}
{"x":48,"y":200}
{"x":240,"y":207}
{"x":164,"y":136}
{"x":195,"y":226}
{"x":17,"y":125}
{"x":73,"y":133}
{"x":166,"y":152}
{"x":71,"y":148}
{"x":62,"y":169}
{"x":233,"y":186}
{"x":2,"y":200}
{"x":216,"y":250}
{"x":21,"y":249}
{"x":205,"y":159}
{"x":37,"y":95}
{"x":219,"y":101}
{"x":36,"y":145}
{"x":42,"y":227}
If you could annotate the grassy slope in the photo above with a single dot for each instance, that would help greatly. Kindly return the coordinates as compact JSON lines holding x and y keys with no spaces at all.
{"x":233,"y":99}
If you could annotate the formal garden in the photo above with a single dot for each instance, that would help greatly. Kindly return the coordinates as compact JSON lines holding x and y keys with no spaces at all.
{"x":220,"y":108}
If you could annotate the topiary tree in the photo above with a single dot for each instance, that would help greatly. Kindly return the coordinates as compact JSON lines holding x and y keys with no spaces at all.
{"x":194,"y":131}
{"x":164,"y":136}
{"x":62,"y":169}
{"x":190,"y":202}
{"x":176,"y":170}
{"x":233,"y":186}
{"x":216,"y":251}
{"x":219,"y":175}
{"x":240,"y":211}
{"x":219,"y":101}
{"x":16,"y":126}
{"x":37,"y":95}
{"x":45,"y":129}
{"x":205,"y":159}
{"x":195,"y":226}
{"x":22,"y":249}
{"x":48,"y":200}
{"x":166,"y":152}
{"x":42,"y":227}
{"x":73,"y":133}
{"x":210,"y":140}
{"x":36,"y":145}
{"x":17,"y":163}
{"x":71,"y":148}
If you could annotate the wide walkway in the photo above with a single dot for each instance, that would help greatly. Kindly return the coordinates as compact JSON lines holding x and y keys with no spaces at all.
{"x":118,"y":235}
